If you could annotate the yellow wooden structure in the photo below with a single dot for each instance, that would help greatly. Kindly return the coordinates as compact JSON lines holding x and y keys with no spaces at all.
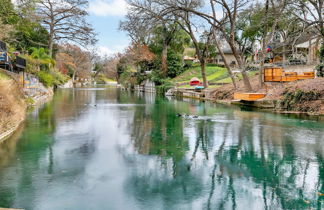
{"x":249,"y":96}
{"x":307,"y":75}
{"x":278,"y":75}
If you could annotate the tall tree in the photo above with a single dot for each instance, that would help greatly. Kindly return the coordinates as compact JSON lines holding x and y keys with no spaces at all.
{"x":201,"y":46}
{"x":226,"y":24}
{"x":65,"y":20}
{"x":148,"y":11}
{"x":273,"y":10}
{"x":81,"y":60}
{"x":138,"y":27}
{"x":311,"y":12}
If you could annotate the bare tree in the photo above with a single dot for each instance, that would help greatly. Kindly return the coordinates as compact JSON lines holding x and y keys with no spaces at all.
{"x":226,"y":25}
{"x":222,"y":54}
{"x":138,"y":26}
{"x":80,"y":59}
{"x":150,"y":16}
{"x":110,"y":67}
{"x":65,"y":20}
{"x":311,"y":12}
{"x":201,"y":46}
{"x":273,"y":10}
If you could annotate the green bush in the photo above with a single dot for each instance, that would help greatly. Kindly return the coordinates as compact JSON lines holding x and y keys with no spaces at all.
{"x":175,"y":65}
{"x":321,"y":53}
{"x":46,"y":78}
{"x":101,"y":79}
{"x":164,"y":87}
{"x":188,"y":64}
{"x":320,"y":70}
{"x":59,"y":78}
{"x":30,"y":101}
{"x":320,"y":67}
{"x":128,"y":79}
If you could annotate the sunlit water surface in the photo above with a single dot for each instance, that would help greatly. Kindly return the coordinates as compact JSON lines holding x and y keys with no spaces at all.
{"x":98,"y":149}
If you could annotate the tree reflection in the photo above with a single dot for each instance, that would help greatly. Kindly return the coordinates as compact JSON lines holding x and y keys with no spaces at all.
{"x":255,"y":148}
{"x":225,"y":159}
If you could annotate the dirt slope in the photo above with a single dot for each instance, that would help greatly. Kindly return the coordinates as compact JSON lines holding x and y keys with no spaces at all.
{"x":12,"y":104}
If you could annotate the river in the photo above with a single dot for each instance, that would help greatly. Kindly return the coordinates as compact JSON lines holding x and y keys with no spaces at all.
{"x":102,"y":148}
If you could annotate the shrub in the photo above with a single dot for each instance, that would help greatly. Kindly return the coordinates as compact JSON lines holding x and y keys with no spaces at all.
{"x":321,"y":53}
{"x":101,"y":79}
{"x":59,"y":78}
{"x":251,"y":68}
{"x":164,"y":87}
{"x":188,"y":64}
{"x":320,"y":70}
{"x":320,"y":67}
{"x":30,"y":101}
{"x":175,"y":65}
{"x":128,"y":79}
{"x":46,"y":78}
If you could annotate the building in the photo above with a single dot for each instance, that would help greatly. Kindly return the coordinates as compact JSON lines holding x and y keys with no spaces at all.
{"x":229,"y":56}
{"x":296,"y":50}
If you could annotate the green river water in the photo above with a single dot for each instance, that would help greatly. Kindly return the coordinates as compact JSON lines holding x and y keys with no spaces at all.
{"x":101,"y":148}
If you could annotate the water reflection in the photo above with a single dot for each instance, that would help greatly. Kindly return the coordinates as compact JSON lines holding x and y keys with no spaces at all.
{"x":254,"y":160}
{"x":107,"y":149}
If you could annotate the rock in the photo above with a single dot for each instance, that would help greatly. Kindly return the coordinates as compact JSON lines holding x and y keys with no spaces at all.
{"x":170,"y":92}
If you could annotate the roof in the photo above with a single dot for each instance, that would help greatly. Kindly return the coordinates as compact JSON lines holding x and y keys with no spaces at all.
{"x":188,"y":58}
{"x":194,"y":79}
{"x":306,"y":44}
{"x":301,"y":42}
{"x":227,"y":51}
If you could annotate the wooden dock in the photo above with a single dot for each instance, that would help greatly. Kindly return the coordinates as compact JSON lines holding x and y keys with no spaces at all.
{"x":249,"y":96}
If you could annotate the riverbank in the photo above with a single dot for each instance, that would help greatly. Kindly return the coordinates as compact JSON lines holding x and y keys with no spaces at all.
{"x":12,"y":106}
{"x":14,"y":101}
{"x":305,"y":96}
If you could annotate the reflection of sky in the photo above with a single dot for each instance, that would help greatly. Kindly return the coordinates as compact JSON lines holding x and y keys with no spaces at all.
{"x":93,"y":161}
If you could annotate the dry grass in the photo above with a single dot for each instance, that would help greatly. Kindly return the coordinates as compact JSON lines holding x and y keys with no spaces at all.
{"x":303,"y":85}
{"x":304,"y":95}
{"x":12,"y":104}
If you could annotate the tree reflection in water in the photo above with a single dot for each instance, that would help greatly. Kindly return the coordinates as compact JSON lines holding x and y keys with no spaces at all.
{"x":256,"y":160}
{"x":133,"y":148}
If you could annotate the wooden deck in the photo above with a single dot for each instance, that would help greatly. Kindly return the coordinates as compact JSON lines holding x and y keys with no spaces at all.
{"x":249,"y":96}
{"x":278,"y":75}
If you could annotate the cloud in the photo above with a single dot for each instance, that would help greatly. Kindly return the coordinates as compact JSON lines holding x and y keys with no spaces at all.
{"x":108,"y":7}
{"x":109,"y":51}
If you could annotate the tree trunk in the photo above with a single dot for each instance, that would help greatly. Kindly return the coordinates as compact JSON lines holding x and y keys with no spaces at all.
{"x":238,"y":58}
{"x":284,"y":54}
{"x":203,"y":72}
{"x":164,"y":60}
{"x":73,"y":76}
{"x":225,"y":63}
{"x":317,"y":60}
{"x":261,"y":70}
{"x":309,"y":59}
{"x":51,"y":42}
